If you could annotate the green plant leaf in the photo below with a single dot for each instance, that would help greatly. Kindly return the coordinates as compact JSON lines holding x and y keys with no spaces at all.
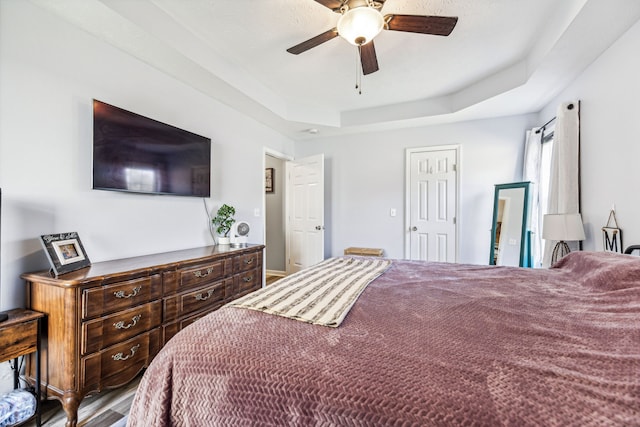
{"x":224,"y":219}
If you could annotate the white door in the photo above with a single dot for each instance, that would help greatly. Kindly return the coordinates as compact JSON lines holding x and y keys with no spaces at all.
{"x":432,"y":203}
{"x":305,"y":212}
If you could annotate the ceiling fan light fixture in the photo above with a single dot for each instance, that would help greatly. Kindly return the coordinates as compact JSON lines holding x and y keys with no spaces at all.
{"x":360,"y":25}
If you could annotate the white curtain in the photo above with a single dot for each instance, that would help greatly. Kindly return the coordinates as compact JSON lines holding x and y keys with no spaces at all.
{"x":564,"y":185}
{"x":531,"y":172}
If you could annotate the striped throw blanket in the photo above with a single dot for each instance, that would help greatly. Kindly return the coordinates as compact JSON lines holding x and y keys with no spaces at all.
{"x":322,"y":294}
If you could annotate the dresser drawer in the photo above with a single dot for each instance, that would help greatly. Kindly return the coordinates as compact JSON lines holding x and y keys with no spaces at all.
{"x":247,"y":262}
{"x":120,"y":363}
{"x":169,"y":330}
{"x":247,"y":282}
{"x":207,"y":297}
{"x":106,"y":299}
{"x":105,"y":331}
{"x":202,"y":274}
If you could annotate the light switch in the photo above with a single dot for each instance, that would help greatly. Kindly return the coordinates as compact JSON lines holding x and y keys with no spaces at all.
{"x":256,"y":212}
{"x":392,"y":212}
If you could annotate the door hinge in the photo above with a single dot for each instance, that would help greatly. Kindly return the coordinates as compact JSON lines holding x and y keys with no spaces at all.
{"x":455,"y":167}
{"x":454,"y":220}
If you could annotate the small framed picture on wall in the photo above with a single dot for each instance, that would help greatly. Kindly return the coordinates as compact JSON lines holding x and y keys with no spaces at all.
{"x":269,"y":180}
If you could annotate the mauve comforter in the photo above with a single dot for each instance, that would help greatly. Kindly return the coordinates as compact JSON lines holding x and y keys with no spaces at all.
{"x":426,"y":344}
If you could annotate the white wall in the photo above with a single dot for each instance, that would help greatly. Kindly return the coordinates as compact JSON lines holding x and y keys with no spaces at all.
{"x":609,"y":91}
{"x":365,"y":178}
{"x":49,"y":74}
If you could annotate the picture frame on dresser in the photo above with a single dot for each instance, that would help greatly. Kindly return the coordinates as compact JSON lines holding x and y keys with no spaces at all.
{"x":65,"y":252}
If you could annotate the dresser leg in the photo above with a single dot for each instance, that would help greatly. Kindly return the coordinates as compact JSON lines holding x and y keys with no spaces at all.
{"x":70,"y":404}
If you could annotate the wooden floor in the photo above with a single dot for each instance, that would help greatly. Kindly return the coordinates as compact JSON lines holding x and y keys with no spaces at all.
{"x":271,"y":279}
{"x":105,"y":409}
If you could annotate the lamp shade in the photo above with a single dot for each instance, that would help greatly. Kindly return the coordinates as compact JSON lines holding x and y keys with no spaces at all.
{"x":360,"y":25}
{"x":565,"y":227}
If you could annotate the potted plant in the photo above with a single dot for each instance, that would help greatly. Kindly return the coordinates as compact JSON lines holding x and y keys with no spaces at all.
{"x":223,"y":222}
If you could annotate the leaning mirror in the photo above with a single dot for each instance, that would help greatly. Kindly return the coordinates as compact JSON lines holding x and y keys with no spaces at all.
{"x":510,"y":237}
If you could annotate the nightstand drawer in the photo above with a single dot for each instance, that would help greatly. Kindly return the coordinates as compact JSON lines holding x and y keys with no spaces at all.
{"x":106,"y":299}
{"x":103,"y":332}
{"x":20,"y":339}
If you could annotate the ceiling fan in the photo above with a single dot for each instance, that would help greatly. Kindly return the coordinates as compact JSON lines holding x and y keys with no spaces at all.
{"x":362,"y":20}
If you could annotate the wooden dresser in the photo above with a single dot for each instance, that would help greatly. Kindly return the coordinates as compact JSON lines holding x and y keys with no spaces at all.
{"x":105,"y":323}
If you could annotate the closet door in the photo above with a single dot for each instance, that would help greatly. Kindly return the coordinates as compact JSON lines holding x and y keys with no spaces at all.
{"x":432,"y":204}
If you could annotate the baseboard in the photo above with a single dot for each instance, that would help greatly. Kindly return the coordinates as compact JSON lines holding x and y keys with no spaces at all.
{"x":276,"y":273}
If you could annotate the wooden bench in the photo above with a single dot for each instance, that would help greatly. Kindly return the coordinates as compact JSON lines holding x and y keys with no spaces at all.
{"x":363,"y":251}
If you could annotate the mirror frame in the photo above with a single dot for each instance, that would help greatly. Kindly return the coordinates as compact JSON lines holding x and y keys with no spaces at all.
{"x":525,"y":237}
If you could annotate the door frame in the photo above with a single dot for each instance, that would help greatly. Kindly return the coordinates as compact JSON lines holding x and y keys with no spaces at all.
{"x":407,"y":194}
{"x":286,"y":158}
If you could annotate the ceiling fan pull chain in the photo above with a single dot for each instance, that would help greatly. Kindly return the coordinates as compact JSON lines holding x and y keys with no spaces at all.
{"x":358,"y":71}
{"x":357,"y":59}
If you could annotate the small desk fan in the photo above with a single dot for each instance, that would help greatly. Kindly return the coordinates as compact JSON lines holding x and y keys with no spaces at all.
{"x":240,"y":234}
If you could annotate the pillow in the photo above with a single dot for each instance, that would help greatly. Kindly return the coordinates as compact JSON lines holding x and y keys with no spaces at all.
{"x":606,"y":271}
{"x":16,"y":406}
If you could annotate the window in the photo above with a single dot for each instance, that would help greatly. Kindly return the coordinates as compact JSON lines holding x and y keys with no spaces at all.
{"x":545,"y":179}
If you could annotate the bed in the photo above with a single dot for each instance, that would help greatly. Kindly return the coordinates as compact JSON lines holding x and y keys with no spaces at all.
{"x":423,"y":344}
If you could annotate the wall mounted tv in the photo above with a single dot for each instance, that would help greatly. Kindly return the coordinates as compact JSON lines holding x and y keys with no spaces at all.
{"x":137,"y":154}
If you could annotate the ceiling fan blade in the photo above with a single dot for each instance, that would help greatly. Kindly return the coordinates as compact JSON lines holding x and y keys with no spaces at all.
{"x":368,"y":58}
{"x":331,"y":4}
{"x":313,"y":42}
{"x":436,"y":25}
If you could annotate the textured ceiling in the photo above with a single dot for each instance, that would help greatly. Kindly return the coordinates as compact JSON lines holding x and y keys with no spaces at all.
{"x":504,"y":56}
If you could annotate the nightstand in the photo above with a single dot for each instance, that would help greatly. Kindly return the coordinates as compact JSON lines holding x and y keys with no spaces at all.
{"x":19,"y":336}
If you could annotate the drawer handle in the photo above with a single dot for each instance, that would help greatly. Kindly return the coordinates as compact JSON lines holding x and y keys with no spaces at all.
{"x":201,"y":274}
{"x":120,"y":356}
{"x":134,"y":321}
{"x":248,"y":261}
{"x":121,"y":294}
{"x":203,"y":297}
{"x":247,"y":279}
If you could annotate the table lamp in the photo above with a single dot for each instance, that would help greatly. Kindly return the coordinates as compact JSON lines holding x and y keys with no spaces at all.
{"x":562,"y":228}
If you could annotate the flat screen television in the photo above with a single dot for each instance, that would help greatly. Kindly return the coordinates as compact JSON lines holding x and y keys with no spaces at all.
{"x":137,"y":154}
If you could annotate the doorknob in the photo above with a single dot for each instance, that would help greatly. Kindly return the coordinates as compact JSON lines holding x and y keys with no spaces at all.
{"x":414,"y":228}
{"x":319,"y":227}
